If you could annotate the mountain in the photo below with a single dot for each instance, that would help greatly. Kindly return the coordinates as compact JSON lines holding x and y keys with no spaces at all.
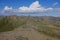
{"x":47,"y":25}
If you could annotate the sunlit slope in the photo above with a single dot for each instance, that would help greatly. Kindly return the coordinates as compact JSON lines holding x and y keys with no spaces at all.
{"x":8,"y":23}
{"x":45,"y":24}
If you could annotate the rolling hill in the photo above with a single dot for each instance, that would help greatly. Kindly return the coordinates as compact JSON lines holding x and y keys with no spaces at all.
{"x":29,"y":26}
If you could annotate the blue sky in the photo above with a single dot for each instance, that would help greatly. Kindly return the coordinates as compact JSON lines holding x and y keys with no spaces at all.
{"x":18,"y":3}
{"x":46,"y":4}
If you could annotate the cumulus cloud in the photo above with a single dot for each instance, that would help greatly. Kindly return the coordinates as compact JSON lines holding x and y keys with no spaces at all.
{"x":54,"y":4}
{"x":34,"y":7}
{"x":6,"y":8}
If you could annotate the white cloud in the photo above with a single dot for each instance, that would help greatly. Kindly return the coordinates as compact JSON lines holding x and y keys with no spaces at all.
{"x":54,"y":4}
{"x":7,"y":8}
{"x":50,"y":8}
{"x":34,"y":7}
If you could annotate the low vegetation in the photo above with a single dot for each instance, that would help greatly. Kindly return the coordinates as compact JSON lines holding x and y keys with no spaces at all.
{"x":54,"y":32}
{"x":46,"y":25}
{"x":21,"y":38}
{"x":10,"y":23}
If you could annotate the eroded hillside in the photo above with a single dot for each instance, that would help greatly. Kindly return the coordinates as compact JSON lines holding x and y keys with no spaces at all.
{"x":29,"y":28}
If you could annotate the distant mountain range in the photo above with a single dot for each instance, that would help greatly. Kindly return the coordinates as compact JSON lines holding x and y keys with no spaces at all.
{"x":29,"y":13}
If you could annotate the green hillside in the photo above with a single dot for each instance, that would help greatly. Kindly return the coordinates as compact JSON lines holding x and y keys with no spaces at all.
{"x":8,"y":23}
{"x":45,"y":24}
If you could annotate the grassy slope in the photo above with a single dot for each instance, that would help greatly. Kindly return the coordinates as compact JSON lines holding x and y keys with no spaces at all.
{"x":11,"y":22}
{"x":47,"y":25}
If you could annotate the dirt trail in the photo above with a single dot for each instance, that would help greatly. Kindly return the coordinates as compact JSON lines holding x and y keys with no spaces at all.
{"x":28,"y":32}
